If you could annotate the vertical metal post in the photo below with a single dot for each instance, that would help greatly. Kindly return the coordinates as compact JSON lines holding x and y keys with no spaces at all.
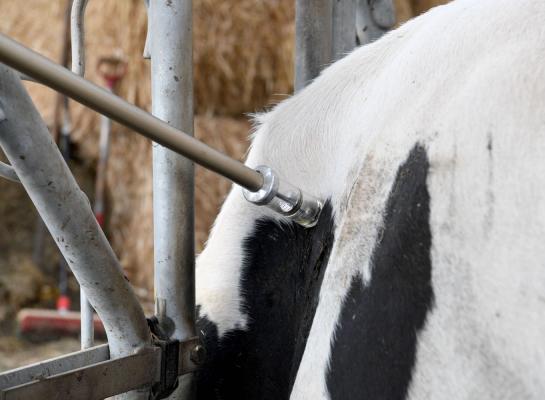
{"x":326,"y":30}
{"x":313,"y":39}
{"x":344,"y":27}
{"x":171,"y":49}
{"x":77,"y":37}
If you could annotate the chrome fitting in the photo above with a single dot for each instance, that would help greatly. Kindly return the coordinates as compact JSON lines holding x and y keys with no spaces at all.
{"x":285,"y":199}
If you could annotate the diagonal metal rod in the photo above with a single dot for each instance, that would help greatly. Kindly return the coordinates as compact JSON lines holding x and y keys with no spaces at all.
{"x":56,"y":77}
{"x":66,"y":211}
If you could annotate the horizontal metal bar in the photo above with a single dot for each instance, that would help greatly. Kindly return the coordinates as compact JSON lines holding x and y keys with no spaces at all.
{"x":96,"y":381}
{"x":54,"y":366}
{"x":56,"y":77}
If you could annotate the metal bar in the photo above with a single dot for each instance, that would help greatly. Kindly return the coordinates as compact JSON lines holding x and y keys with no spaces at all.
{"x":171,"y":51}
{"x":313,"y":39}
{"x":54,"y":366}
{"x":77,"y":34}
{"x":77,"y":38}
{"x":103,"y":154}
{"x":91,"y":95}
{"x":147,"y":52}
{"x":67,"y":213}
{"x":344,"y":28}
{"x":7,"y":172}
{"x":95,"y":381}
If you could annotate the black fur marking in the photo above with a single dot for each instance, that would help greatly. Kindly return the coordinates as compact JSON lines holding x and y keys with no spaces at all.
{"x":280,"y":285}
{"x":375,"y":347}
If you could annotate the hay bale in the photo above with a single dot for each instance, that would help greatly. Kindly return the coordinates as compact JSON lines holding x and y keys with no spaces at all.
{"x":243,"y":51}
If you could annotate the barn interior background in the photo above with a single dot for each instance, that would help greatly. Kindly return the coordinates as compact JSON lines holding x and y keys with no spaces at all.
{"x":243,"y":63}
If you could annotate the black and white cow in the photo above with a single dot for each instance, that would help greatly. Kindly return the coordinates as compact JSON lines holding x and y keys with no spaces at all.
{"x":425,"y":276}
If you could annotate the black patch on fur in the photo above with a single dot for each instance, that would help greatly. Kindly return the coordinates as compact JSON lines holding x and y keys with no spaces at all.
{"x":375,"y":347}
{"x":280,"y":284}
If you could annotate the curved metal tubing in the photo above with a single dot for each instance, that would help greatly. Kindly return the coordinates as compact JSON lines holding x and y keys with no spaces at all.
{"x":56,"y":77}
{"x":77,"y":34}
{"x":67,"y":214}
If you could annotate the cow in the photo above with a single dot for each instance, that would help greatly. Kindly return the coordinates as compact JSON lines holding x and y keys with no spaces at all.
{"x":424,"y":277}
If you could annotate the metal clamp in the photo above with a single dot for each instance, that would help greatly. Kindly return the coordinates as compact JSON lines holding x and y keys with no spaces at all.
{"x":177,"y":358}
{"x":91,"y":374}
{"x":285,"y":199}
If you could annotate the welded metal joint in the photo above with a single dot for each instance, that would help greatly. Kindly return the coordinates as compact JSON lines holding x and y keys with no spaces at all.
{"x":285,"y":199}
{"x":7,"y":171}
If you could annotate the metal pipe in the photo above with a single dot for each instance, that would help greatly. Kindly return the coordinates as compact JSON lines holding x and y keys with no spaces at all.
{"x":147,"y":52}
{"x":40,"y":68}
{"x":67,"y":214}
{"x":77,"y":37}
{"x":171,"y":51}
{"x":313,"y":37}
{"x":77,"y":34}
{"x":344,"y":28}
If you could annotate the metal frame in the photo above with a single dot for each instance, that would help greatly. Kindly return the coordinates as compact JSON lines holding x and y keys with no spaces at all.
{"x":67,"y":214}
{"x":144,"y":356}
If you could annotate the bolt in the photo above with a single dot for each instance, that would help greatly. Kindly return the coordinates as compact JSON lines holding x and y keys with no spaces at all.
{"x":198,"y":354}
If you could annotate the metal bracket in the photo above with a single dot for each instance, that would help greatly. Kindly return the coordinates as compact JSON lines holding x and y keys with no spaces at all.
{"x":7,"y":171}
{"x":168,"y":381}
{"x":91,"y":374}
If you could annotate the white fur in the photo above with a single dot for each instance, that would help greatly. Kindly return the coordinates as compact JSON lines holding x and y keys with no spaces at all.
{"x":454,"y":79}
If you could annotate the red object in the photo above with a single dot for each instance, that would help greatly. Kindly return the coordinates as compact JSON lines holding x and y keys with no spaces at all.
{"x":100,"y":219}
{"x":63,"y":303}
{"x":51,"y":322}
